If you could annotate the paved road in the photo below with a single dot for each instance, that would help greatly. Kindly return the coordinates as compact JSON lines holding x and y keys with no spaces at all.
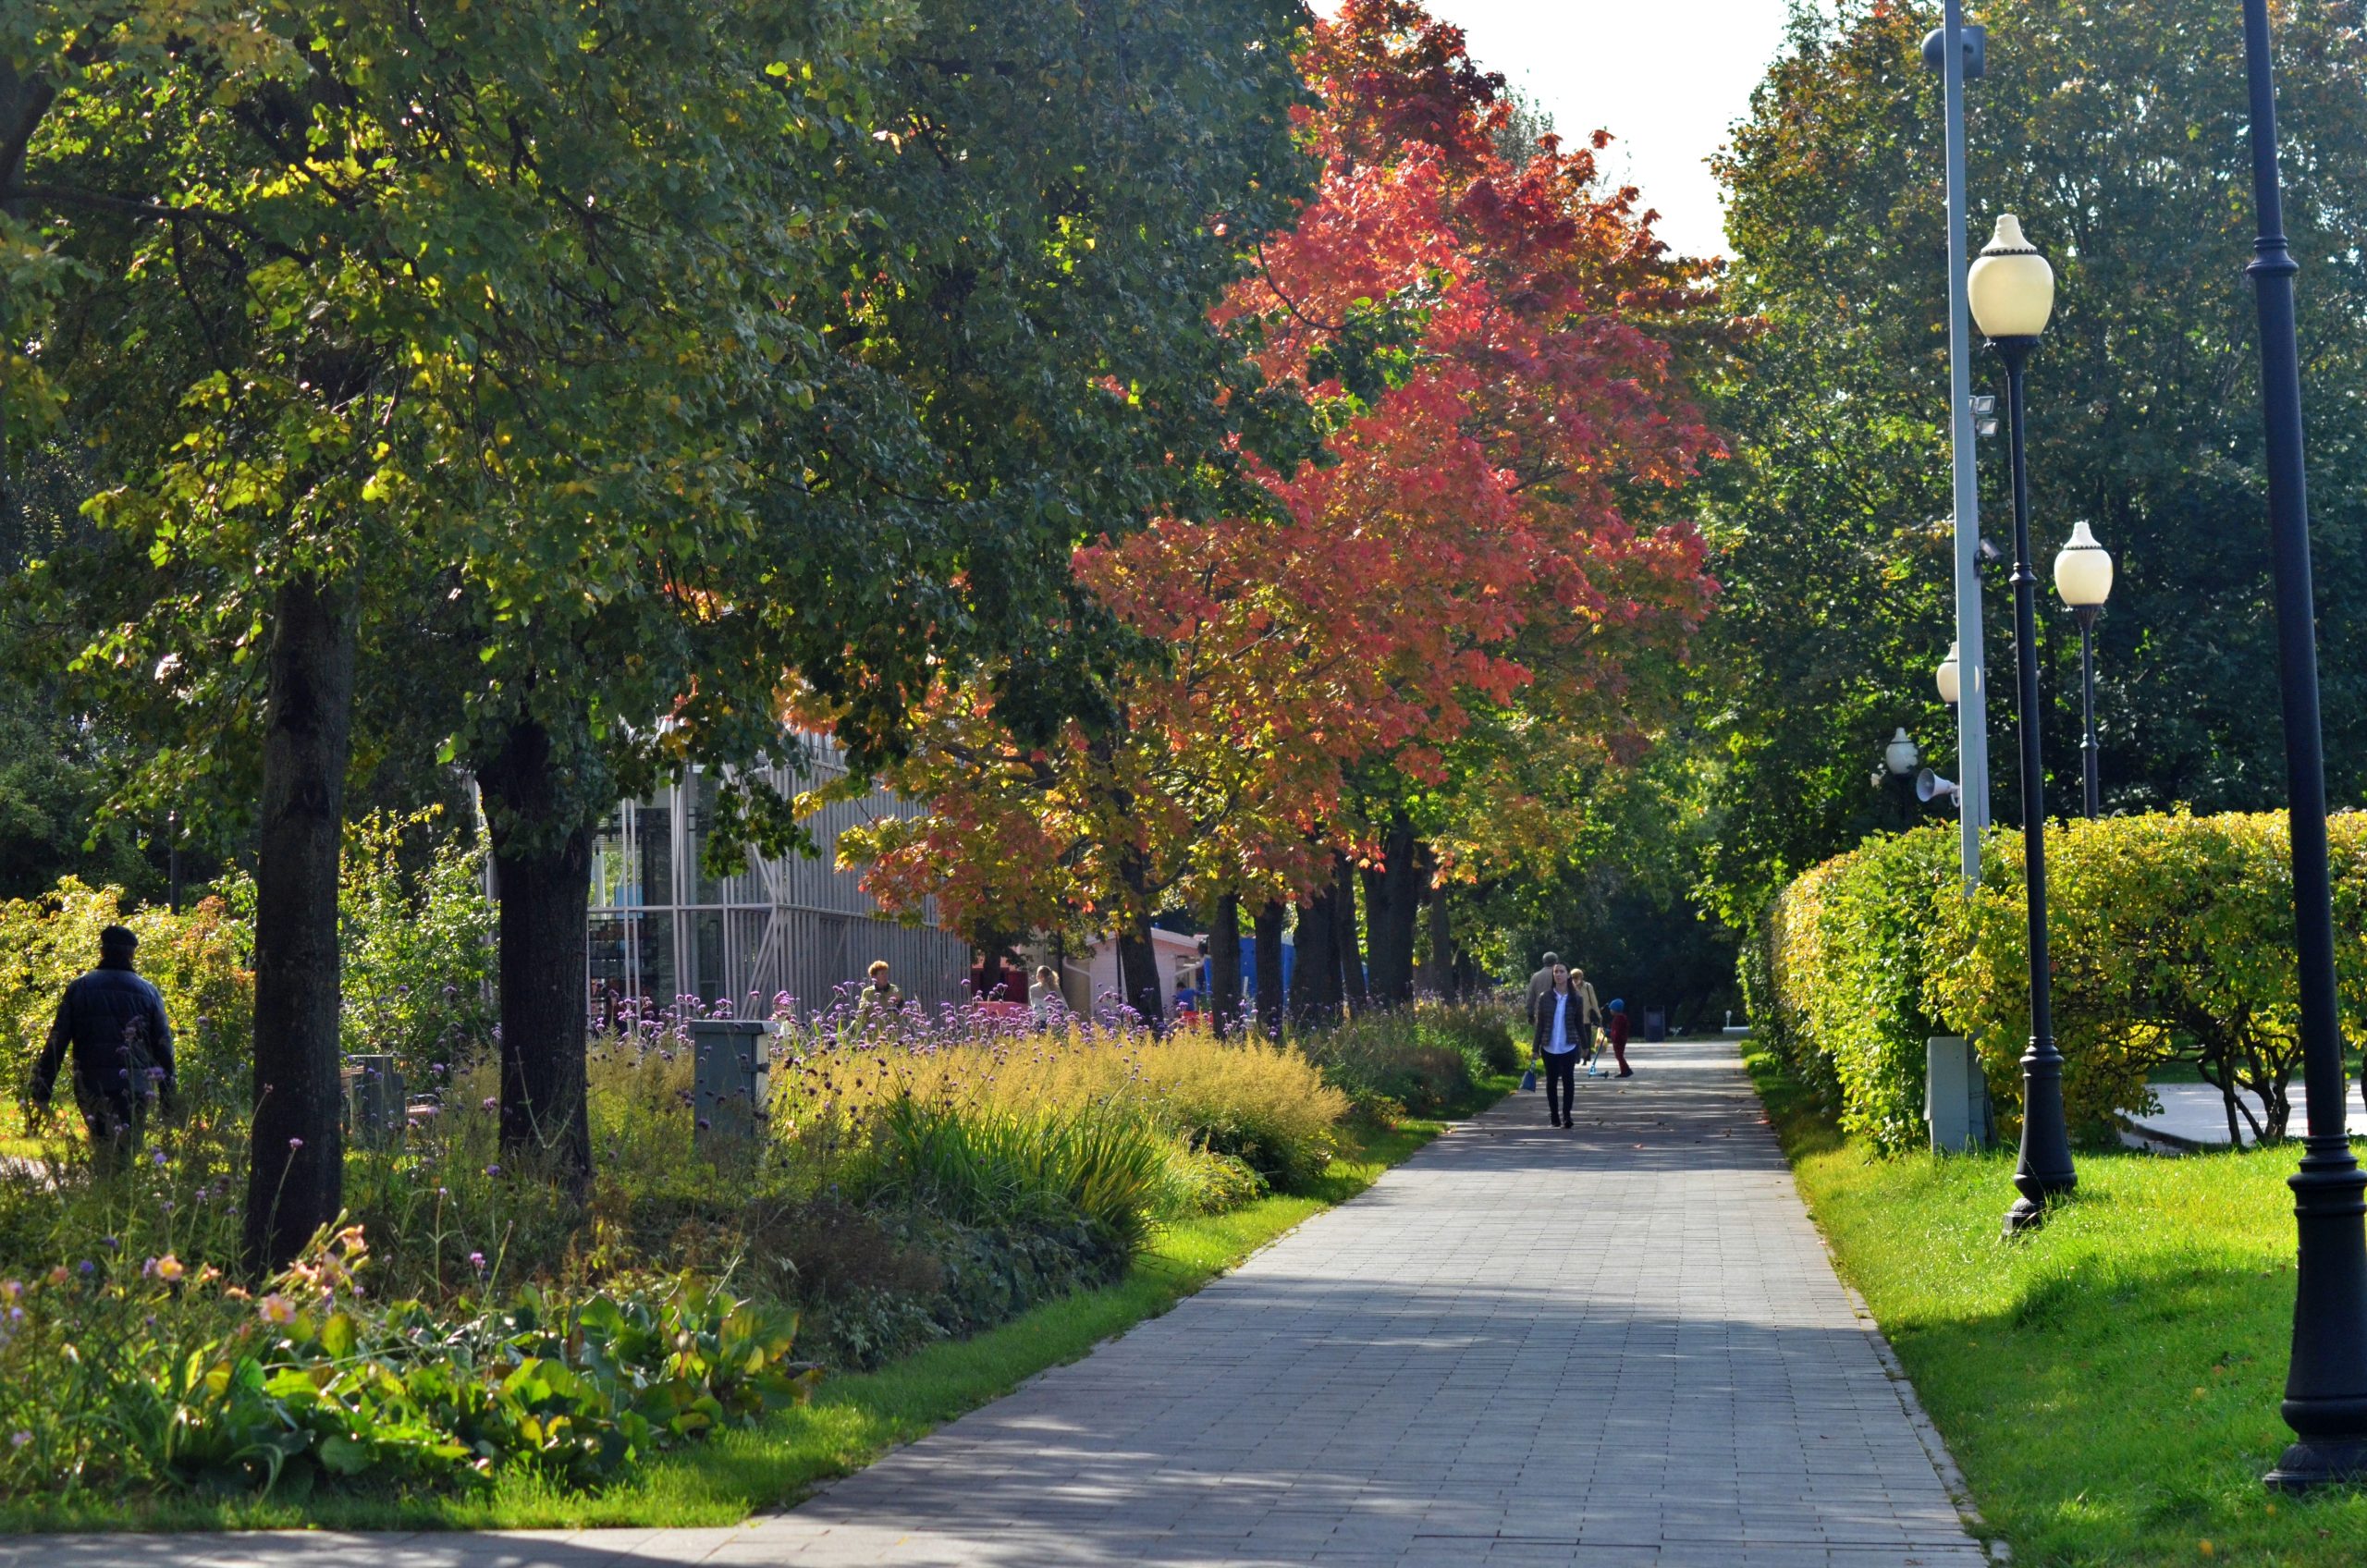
{"x":1622,"y":1345}
{"x":2195,"y":1113}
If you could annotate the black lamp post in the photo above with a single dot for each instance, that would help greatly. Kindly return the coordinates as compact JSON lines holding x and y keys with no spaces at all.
{"x":2013,"y":293}
{"x":1900,"y":760}
{"x":2083,"y":578}
{"x":2325,"y":1388}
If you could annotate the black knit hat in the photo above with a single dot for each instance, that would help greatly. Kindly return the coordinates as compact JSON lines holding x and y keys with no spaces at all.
{"x":119,"y":939}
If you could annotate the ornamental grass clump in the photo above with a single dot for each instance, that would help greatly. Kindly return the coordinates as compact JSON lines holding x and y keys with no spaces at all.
{"x":1264,"y":1104}
{"x":998,"y":1169}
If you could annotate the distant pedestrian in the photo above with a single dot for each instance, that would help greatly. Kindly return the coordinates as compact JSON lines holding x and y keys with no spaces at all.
{"x":1589,"y":1016}
{"x":112,"y":1021}
{"x":1187,"y":1001}
{"x":1543,"y":981}
{"x":1553,"y":1034}
{"x":879,"y":1002}
{"x":1044,"y":1004}
{"x":1614,"y":1027}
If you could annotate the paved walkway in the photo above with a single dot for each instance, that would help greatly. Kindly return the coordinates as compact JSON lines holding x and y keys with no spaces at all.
{"x":1618,"y":1345}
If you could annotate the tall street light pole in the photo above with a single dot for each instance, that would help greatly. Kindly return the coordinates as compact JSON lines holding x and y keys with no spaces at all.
{"x":2326,"y":1386}
{"x":2012,"y":293}
{"x":2083,"y":579}
{"x":1959,"y":54}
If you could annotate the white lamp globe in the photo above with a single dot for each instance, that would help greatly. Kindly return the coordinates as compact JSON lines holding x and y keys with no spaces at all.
{"x":1900,"y":756}
{"x":1949,"y":676}
{"x":2012,"y":287}
{"x":2083,"y":570}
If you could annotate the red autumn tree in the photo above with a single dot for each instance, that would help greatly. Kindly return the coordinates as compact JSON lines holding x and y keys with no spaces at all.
{"x":1479,"y":561}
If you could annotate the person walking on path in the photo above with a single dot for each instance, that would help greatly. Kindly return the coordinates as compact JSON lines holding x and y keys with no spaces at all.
{"x":1555,"y":1024}
{"x":1614,"y":1027}
{"x":1589,"y":1018}
{"x":113,"y":1022}
{"x":1543,"y":981}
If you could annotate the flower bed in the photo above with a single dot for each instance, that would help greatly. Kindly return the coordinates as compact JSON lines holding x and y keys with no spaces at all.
{"x":911,"y":1181}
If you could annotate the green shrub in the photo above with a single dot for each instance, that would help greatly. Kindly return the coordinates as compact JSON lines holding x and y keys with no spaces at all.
{"x":418,"y":939}
{"x":1392,"y":1063}
{"x":1209,"y":1183}
{"x":2171,"y":937}
{"x":1481,"y":1030}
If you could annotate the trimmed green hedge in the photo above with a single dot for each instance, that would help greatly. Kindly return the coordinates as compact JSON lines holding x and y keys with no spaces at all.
{"x":2171,"y":936}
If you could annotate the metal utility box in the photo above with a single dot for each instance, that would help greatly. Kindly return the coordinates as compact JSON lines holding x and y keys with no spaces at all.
{"x":1956,"y":1096}
{"x":731,"y":1056}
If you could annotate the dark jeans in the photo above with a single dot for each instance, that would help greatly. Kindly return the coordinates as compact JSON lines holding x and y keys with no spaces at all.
{"x":1561,"y":1068}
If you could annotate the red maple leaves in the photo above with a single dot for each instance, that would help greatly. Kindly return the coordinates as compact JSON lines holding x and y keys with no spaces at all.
{"x":1488,"y":341}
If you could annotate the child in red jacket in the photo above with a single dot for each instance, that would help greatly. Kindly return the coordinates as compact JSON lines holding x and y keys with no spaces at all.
{"x":1615,"y":1023}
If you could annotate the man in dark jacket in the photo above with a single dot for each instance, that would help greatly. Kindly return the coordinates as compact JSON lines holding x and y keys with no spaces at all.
{"x":114,"y":1023}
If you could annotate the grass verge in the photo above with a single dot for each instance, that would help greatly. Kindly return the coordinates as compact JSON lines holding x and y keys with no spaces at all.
{"x":2109,"y":1385}
{"x":852,"y":1421}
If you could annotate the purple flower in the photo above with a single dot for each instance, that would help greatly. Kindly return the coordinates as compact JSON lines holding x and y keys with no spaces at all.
{"x":86,"y":1266}
{"x":157,"y":1159}
{"x":493,"y":1171}
{"x":110,"y":1244}
{"x":476,"y":1261}
{"x":491,"y":1102}
{"x":295,"y":1143}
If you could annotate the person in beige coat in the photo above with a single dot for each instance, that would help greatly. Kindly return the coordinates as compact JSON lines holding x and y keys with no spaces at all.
{"x":1589,"y":1016}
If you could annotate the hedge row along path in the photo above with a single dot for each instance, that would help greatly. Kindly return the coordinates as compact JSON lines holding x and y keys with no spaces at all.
{"x":1620,"y":1344}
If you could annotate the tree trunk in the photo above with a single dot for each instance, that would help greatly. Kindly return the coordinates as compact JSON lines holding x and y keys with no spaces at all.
{"x":1392,"y":905}
{"x":296,"y":1180}
{"x":1138,"y":959}
{"x":542,"y":866}
{"x":1314,"y":972}
{"x":1138,"y":969}
{"x":1224,"y":965}
{"x":1441,"y":959}
{"x":1343,"y":923}
{"x":1269,"y":958}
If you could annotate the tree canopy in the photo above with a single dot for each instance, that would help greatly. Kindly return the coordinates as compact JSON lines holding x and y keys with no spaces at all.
{"x":2118,"y":133}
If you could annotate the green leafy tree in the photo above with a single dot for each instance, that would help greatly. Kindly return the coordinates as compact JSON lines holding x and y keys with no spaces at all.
{"x":576,"y":392}
{"x":2118,"y":131}
{"x":357,"y":311}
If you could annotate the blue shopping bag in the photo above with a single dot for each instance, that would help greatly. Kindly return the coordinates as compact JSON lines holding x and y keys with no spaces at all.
{"x":1528,"y":1081}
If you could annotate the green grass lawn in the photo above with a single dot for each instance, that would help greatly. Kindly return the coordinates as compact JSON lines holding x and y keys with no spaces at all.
{"x":852,"y":1421}
{"x":2109,"y":1385}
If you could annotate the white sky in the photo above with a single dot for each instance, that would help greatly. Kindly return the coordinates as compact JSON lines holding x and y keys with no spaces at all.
{"x":1665,"y":77}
